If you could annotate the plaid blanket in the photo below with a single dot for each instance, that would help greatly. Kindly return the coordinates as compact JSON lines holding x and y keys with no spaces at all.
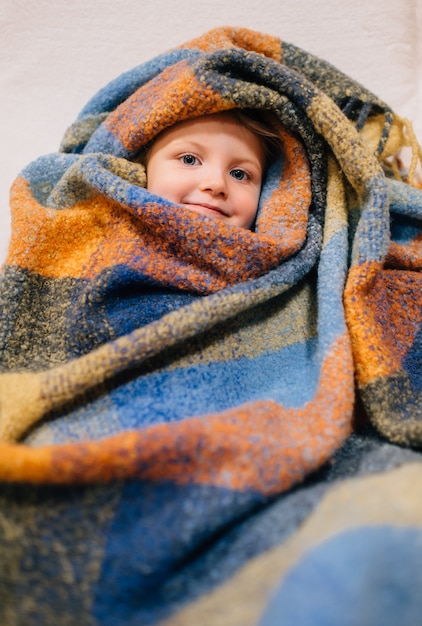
{"x":202,"y":424}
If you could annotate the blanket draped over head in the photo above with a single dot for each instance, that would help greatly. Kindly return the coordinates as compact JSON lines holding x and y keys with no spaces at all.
{"x":199,"y":423}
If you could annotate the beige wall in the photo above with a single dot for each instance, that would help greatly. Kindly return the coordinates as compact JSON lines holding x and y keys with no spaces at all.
{"x":55,"y":54}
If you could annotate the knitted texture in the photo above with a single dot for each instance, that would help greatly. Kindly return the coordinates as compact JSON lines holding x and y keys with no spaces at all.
{"x":164,"y":374}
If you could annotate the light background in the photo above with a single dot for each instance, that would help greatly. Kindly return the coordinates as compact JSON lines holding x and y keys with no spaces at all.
{"x":54,"y":55}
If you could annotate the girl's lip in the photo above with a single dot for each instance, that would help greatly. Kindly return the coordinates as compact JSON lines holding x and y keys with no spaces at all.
{"x":208,"y":207}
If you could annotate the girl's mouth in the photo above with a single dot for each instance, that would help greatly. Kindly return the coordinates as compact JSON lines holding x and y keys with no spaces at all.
{"x":206,"y":209}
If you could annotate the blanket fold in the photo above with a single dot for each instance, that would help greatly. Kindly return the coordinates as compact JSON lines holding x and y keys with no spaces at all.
{"x":156,"y":360}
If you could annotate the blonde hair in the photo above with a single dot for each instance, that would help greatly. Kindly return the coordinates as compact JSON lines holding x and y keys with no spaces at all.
{"x":263,"y":125}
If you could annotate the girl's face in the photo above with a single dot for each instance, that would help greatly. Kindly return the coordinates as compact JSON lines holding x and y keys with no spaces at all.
{"x":212,"y":165}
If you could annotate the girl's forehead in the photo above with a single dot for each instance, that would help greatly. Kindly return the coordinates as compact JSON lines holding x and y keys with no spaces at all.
{"x":224,"y":124}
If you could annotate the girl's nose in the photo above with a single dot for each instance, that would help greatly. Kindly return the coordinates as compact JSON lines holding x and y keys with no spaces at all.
{"x":214,"y":181}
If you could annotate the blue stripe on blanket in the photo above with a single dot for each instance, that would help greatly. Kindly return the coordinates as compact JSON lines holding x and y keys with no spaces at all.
{"x":162,"y":397}
{"x":331,"y":278}
{"x":43,"y":173}
{"x":117,"y":90}
{"x":172,"y":525}
{"x":370,"y":576}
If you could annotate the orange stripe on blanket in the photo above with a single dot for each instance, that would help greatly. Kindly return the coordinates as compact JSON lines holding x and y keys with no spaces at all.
{"x":285,"y":213}
{"x":260,"y":446}
{"x":95,"y":234}
{"x":136,"y":121}
{"x":83,"y":240}
{"x":58,"y":243}
{"x":227,"y":37}
{"x":408,"y":256}
{"x":383,"y":312}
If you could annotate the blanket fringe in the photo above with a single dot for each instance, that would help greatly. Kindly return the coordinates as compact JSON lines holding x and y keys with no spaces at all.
{"x":410,"y":174}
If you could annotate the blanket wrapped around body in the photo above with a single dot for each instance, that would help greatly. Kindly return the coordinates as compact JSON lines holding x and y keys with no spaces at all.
{"x":203,"y":424}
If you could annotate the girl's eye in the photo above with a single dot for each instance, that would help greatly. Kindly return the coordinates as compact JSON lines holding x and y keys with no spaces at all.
{"x":189,"y":159}
{"x":239,"y":174}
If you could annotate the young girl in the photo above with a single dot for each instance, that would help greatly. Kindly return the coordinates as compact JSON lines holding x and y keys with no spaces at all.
{"x":214,"y":164}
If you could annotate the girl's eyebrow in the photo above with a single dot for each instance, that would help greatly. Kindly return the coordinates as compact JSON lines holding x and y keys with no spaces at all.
{"x":248,"y":162}
{"x":181,"y":143}
{"x":186,"y":142}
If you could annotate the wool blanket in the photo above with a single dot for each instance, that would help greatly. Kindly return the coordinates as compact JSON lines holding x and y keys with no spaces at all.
{"x":202,"y":424}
